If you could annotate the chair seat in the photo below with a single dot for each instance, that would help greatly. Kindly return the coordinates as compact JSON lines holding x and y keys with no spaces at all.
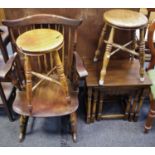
{"x":126,"y":19}
{"x":47,"y":100}
{"x":151,"y":74}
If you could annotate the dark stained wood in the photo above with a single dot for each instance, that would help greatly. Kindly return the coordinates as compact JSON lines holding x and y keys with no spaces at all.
{"x":119,"y":73}
{"x":122,"y":79}
{"x":50,"y":95}
{"x":51,"y":103}
{"x":7,"y":74}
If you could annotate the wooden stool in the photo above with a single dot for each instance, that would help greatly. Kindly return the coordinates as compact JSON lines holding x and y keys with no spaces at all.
{"x":123,"y":20}
{"x":42,"y":100}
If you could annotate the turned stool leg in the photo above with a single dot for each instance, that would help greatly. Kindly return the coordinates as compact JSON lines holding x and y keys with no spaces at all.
{"x":151,"y":115}
{"x":28,"y":82}
{"x":60,"y":72}
{"x":73,"y":120}
{"x":106,"y":57}
{"x":23,"y":125}
{"x":142,"y":54}
{"x":134,"y":43}
{"x":97,"y":52}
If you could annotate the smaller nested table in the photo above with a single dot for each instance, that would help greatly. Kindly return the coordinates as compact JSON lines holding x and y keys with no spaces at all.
{"x":123,"y":20}
{"x":122,"y":80}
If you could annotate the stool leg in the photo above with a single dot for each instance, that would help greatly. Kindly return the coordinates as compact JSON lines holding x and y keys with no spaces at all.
{"x":151,"y":115}
{"x":142,"y":54}
{"x":106,"y":57}
{"x":60,"y":72}
{"x":133,"y":45}
{"x":97,"y":52}
{"x":23,"y":125}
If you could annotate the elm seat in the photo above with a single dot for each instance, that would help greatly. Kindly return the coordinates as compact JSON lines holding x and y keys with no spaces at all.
{"x":123,"y":20}
{"x":126,"y":19}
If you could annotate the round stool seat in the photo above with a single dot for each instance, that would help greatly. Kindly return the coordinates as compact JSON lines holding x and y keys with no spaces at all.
{"x":125,"y":19}
{"x":39,"y":41}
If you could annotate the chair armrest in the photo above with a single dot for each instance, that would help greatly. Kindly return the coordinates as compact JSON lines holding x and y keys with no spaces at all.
{"x":4,"y":34}
{"x":79,"y":66}
{"x":5,"y":69}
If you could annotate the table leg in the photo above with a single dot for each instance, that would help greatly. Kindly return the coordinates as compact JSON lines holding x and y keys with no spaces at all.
{"x":94,"y":105}
{"x":100,"y":109}
{"x":97,"y":52}
{"x":133,"y":107}
{"x":128,"y":108}
{"x":106,"y":57}
{"x":141,"y":99}
{"x":142,"y":54}
{"x":89,"y":100}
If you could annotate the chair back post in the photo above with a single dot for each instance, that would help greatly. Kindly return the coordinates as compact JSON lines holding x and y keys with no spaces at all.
{"x":151,"y":30}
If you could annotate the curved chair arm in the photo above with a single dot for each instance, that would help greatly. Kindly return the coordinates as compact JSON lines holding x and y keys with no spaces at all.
{"x":151,"y":30}
{"x":79,"y":66}
{"x":6,"y":68}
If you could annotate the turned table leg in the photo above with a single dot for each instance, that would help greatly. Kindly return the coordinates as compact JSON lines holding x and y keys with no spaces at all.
{"x":89,"y":99}
{"x":97,"y":52}
{"x":128,"y":108}
{"x":106,"y":57}
{"x":151,"y":115}
{"x":100,"y":109}
{"x":94,"y":105}
{"x":141,"y":99}
{"x":133,"y":106}
{"x":142,"y":54}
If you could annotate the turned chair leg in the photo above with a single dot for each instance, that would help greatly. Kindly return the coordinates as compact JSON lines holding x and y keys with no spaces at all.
{"x":23,"y":126}
{"x":142,"y":54}
{"x":151,"y":115}
{"x":97,"y":52}
{"x":106,"y":57}
{"x":73,"y":121}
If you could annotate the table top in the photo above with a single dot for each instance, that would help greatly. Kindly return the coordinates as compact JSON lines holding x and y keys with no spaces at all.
{"x":126,"y":19}
{"x":120,"y":73}
{"x":40,"y":41}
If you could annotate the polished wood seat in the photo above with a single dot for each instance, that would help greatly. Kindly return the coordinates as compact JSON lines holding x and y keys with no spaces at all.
{"x":123,"y":20}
